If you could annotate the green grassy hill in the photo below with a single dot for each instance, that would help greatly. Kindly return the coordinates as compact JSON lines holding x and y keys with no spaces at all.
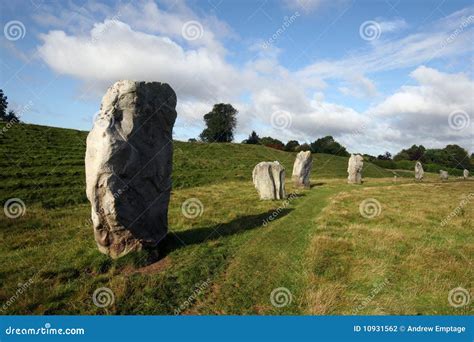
{"x":45,"y":165}
{"x":317,"y":245}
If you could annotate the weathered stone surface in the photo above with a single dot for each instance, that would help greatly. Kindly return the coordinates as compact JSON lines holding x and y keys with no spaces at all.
{"x":269,"y":180}
{"x":465,"y":174}
{"x":443,"y":175}
{"x":128,"y":166}
{"x":354,"y":169}
{"x":419,"y":172}
{"x":302,"y":169}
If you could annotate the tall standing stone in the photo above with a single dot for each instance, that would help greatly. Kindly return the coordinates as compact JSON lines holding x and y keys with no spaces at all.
{"x":419,"y":172}
{"x":465,"y":173}
{"x":128,"y":166}
{"x":354,"y":169}
{"x":269,"y":180}
{"x":302,"y":169}
{"x":443,"y":175}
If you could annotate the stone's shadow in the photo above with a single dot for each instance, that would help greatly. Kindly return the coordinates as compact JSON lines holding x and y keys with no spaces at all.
{"x":177,"y":240}
{"x":293,"y":195}
{"x":317,"y":184}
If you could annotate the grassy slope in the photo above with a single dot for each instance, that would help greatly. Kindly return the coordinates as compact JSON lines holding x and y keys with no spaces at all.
{"x":46,"y":165}
{"x":318,"y":247}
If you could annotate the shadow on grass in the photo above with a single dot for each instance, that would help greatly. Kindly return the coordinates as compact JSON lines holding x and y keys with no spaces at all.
{"x":177,"y":240}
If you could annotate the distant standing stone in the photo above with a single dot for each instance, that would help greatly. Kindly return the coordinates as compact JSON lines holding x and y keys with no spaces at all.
{"x":443,"y":175}
{"x":354,"y":169}
{"x":128,"y":166}
{"x":302,"y":169}
{"x":269,"y":180}
{"x":465,"y":174}
{"x":419,"y":172}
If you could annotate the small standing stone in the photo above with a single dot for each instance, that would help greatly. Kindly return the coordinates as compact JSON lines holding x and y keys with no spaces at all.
{"x":269,"y":180}
{"x":302,"y":169}
{"x":466,"y":173}
{"x":419,"y":172}
{"x":443,"y":175}
{"x":354,"y":169}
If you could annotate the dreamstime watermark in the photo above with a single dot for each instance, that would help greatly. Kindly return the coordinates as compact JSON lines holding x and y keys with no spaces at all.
{"x":281,"y":119}
{"x":459,"y":120}
{"x":192,"y":30}
{"x":287,"y":21}
{"x":375,"y":290}
{"x":14,"y":208}
{"x":278,"y":210}
{"x":458,"y":209}
{"x":192,"y":208}
{"x":465,"y":23}
{"x":14,"y":30}
{"x":46,"y":330}
{"x":19,"y":291}
{"x":370,"y":208}
{"x":105,"y":27}
{"x":281,"y":297}
{"x":459,"y":297}
{"x":370,"y":30}
{"x":103,"y":297}
{"x":198,"y":289}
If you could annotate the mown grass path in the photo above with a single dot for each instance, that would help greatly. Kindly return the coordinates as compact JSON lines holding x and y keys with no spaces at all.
{"x":272,"y":258}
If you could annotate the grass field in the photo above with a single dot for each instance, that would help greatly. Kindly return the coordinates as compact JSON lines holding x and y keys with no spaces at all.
{"x":319,"y":252}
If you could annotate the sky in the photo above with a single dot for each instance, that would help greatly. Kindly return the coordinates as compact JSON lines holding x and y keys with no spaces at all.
{"x":377,"y":75}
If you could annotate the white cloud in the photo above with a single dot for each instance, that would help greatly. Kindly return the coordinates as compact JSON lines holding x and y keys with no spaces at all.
{"x":144,"y":42}
{"x":421,"y":113}
{"x":387,"y":26}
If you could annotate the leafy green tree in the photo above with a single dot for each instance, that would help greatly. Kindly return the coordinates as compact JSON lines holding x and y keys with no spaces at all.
{"x":3,"y":106}
{"x":330,"y":146}
{"x":220,"y":122}
{"x":386,"y":156}
{"x":303,"y":147}
{"x":253,"y":139}
{"x":291,"y":146}
{"x":413,"y":153}
{"x":457,"y":157}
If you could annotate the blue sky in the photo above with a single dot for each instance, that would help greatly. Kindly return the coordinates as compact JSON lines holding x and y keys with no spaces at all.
{"x":377,"y":75}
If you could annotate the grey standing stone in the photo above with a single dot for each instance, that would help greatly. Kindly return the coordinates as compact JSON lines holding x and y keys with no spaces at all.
{"x":419,"y":172}
{"x":302,"y":169}
{"x":443,"y":175}
{"x":465,"y":174}
{"x":128,"y":166}
{"x":269,"y":180}
{"x":354,"y":169}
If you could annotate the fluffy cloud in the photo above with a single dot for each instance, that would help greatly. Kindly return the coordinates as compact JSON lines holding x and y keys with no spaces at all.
{"x":145,"y":42}
{"x":438,"y":110}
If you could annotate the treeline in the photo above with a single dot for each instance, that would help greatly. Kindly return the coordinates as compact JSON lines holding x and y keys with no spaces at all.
{"x":453,"y":157}
{"x":323,"y":145}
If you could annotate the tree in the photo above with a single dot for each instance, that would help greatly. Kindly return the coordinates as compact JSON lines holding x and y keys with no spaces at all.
{"x":253,"y":139}
{"x":220,"y":122}
{"x":386,"y":156}
{"x":291,"y":145}
{"x":413,"y":153}
{"x":192,"y":140}
{"x":3,"y":106}
{"x":271,"y":142}
{"x":457,"y":157}
{"x":303,"y":147}
{"x":330,"y":146}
